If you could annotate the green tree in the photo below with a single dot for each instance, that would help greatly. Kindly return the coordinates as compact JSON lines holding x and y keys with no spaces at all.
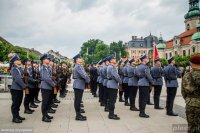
{"x":182,"y":61}
{"x":164,"y":61}
{"x":119,"y":49}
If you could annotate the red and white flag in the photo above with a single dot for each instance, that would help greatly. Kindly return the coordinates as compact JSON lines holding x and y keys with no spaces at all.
{"x":155,"y":52}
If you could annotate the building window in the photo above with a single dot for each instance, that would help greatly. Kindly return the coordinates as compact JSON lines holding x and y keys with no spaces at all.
{"x":139,"y":52}
{"x":175,"y":53}
{"x":184,"y":53}
{"x":193,"y":49}
{"x":166,"y":56}
{"x":189,"y":52}
{"x":188,"y":26}
{"x":170,"y":54}
{"x":141,"y":45}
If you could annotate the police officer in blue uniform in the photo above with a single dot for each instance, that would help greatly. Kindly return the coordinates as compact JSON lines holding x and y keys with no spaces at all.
{"x":17,"y":88}
{"x":106,"y":93}
{"x":120,"y":72}
{"x":145,"y":79}
{"x":101,"y":78}
{"x":47,"y":85}
{"x":113,"y":84}
{"x":29,"y":96}
{"x":157,"y":74}
{"x":125,"y":83}
{"x":80,"y":80}
{"x":132,"y":84}
{"x":171,"y":73}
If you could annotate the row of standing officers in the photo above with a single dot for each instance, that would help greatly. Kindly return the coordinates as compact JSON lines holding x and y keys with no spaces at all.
{"x":130,"y":77}
{"x":50,"y":78}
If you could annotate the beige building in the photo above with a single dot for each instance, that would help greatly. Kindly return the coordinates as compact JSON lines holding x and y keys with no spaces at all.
{"x":187,"y":42}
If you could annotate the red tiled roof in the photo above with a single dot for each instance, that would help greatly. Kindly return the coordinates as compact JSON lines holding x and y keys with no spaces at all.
{"x":185,"y":38}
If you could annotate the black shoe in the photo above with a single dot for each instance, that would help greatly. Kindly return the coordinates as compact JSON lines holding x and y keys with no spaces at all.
{"x":49,"y":117}
{"x":102,"y":104}
{"x":127,"y":104}
{"x":159,"y":108}
{"x":31,"y":110}
{"x":81,"y":105}
{"x":95,"y":95}
{"x":56,"y":101}
{"x":16,"y":120}
{"x":143,"y":115}
{"x":80,"y":118}
{"x":172,"y":114}
{"x":21,"y":118}
{"x":33,"y":106}
{"x":134,"y":109}
{"x":82,"y":111}
{"x":149,"y":103}
{"x":62,"y":96}
{"x":45,"y":119}
{"x":114,"y":117}
{"x":27,"y":111}
{"x":83,"y":116}
{"x":106,"y":109}
{"x":51,"y":111}
{"x":121,"y":100}
{"x":37,"y":101}
{"x":54,"y":105}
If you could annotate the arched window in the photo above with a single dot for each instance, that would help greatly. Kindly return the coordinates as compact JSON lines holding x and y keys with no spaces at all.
{"x":193,"y":49}
{"x":184,"y":53}
{"x":170,"y":54}
{"x":166,"y":56}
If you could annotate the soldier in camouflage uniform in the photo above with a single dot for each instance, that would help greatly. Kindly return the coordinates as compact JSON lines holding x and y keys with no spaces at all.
{"x":191,"y":94}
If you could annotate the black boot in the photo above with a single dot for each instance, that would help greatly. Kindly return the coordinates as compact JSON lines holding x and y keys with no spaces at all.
{"x":106,"y":109}
{"x":49,"y":117}
{"x":113,"y":116}
{"x":33,"y":105}
{"x":56,"y":101}
{"x":37,"y":101}
{"x":26,"y":111}
{"x":121,"y":99}
{"x":171,"y":113}
{"x":82,"y":111}
{"x":16,"y":120}
{"x":143,"y":115}
{"x":51,"y":111}
{"x":159,"y":108}
{"x":79,"y":117}
{"x":21,"y":118}
{"x":46,"y":119}
{"x":54,"y":105}
{"x":126,"y":103}
{"x":133,"y":108}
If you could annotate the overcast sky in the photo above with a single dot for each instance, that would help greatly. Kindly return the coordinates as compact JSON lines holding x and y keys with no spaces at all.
{"x":63,"y":25}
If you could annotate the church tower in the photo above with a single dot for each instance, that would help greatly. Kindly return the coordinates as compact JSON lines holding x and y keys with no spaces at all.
{"x":192,"y":18}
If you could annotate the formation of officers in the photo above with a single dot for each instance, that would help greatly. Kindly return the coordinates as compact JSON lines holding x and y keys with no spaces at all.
{"x":49,"y":77}
{"x":128,"y":78}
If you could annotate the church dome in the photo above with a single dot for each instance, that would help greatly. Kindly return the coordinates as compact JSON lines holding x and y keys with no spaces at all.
{"x":161,"y":46}
{"x":193,"y":13}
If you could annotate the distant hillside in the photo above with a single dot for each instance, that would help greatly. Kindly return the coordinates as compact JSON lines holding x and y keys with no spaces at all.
{"x":6,"y":47}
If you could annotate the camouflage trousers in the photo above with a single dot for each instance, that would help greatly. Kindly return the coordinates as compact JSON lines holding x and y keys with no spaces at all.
{"x":193,"y":119}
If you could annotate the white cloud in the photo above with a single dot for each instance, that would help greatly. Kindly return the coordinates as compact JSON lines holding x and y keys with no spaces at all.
{"x":63,"y":25}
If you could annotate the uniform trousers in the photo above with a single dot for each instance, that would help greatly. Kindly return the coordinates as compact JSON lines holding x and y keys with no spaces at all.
{"x":29,"y":98}
{"x":17,"y":96}
{"x":101,"y":92}
{"x":112,"y":99}
{"x":106,"y":97}
{"x":133,"y":92}
{"x":157,"y":92}
{"x":46,"y":100}
{"x":143,"y":97}
{"x":78,"y":94}
{"x":126,"y":91}
{"x":171,"y":94}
